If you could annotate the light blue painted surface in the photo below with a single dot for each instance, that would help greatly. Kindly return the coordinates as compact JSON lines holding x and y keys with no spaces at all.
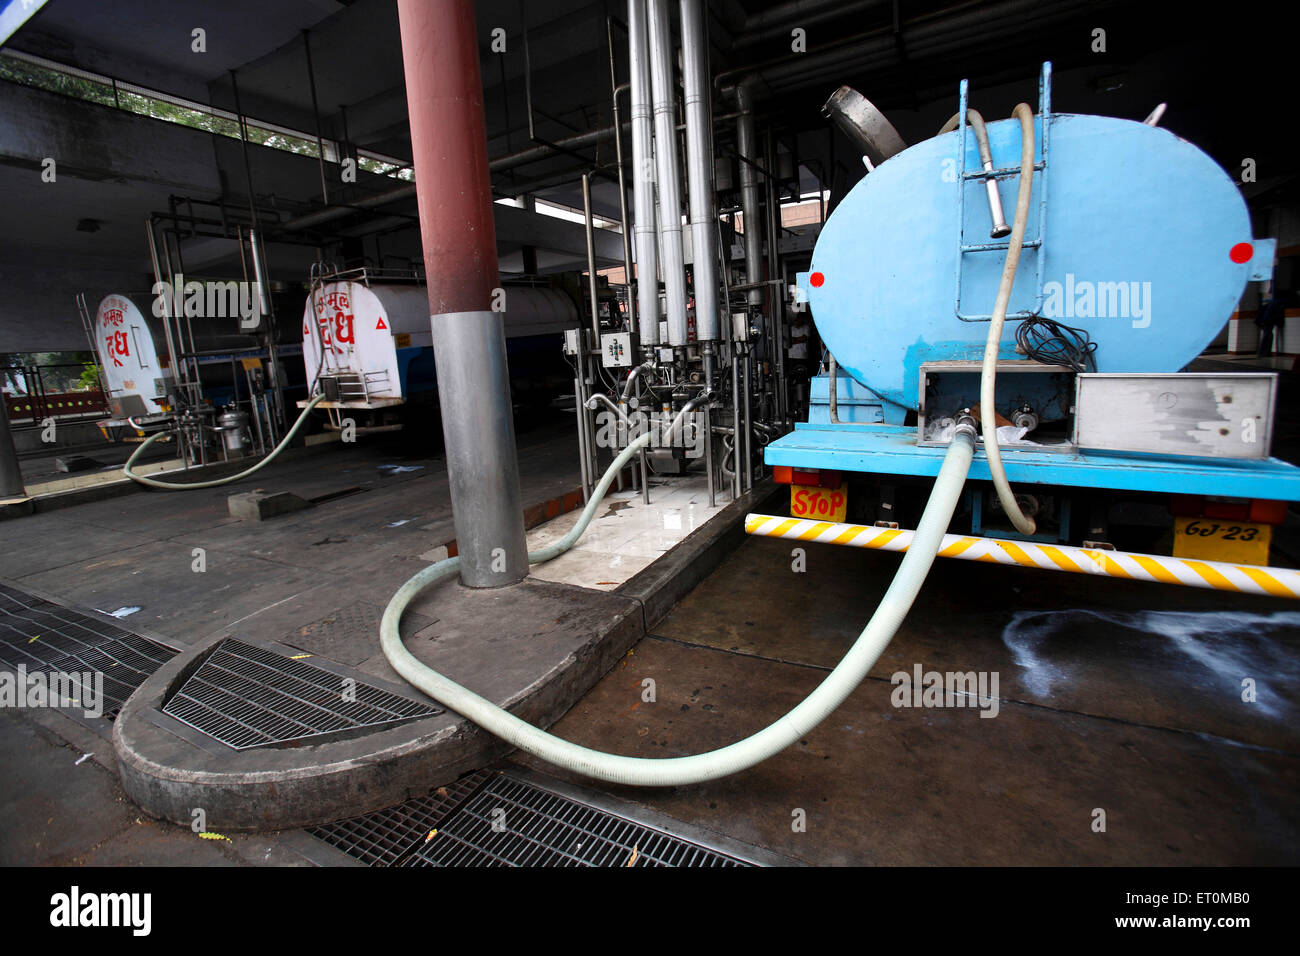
{"x":1127,"y":203}
{"x":856,"y":403}
{"x":14,"y":14}
{"x":1124,"y":203}
{"x":892,"y":450}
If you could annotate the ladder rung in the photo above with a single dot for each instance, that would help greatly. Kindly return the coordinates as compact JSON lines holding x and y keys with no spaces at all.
{"x":1011,"y":316}
{"x":1003,"y":173}
{"x":989,"y":246}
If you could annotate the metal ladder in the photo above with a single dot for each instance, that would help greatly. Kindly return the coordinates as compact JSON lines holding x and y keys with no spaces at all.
{"x":1040,"y":171}
{"x":316,"y":281}
{"x":88,"y":326}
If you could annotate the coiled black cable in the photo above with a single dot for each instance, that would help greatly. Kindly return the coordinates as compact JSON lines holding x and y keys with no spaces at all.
{"x":1048,"y":341}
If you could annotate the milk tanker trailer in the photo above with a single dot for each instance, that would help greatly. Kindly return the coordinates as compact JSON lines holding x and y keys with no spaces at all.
{"x":368,"y":343}
{"x":1134,"y":247}
{"x":139,"y":345}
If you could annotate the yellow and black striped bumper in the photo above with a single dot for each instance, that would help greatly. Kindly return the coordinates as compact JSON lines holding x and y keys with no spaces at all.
{"x":1243,"y":578}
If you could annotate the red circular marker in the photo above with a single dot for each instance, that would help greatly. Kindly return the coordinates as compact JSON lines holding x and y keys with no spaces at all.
{"x":816,"y":279}
{"x":1241,"y":252}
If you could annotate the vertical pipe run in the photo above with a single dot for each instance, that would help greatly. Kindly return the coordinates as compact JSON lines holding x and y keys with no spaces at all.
{"x":748,"y":427}
{"x":736,"y":489}
{"x":776,"y":292}
{"x":186,"y":370}
{"x":624,"y":225}
{"x":707,"y":355}
{"x":643,"y":176}
{"x":591,"y":261}
{"x":273,"y":396}
{"x":263,"y":296}
{"x":699,"y":165}
{"x":659,"y":33}
{"x":747,"y":147}
{"x":584,"y":414}
{"x":315,"y":108}
{"x":167,"y":308}
{"x":733,"y":346}
{"x":580,"y":413}
{"x":444,"y":93}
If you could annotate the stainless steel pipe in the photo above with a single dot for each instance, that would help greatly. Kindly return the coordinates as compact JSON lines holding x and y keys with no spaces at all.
{"x":659,"y":34}
{"x":643,"y":176}
{"x":697,"y":95}
{"x":747,"y":147}
{"x":469,"y":350}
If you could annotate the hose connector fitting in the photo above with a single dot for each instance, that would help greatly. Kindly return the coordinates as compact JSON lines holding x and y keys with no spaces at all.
{"x":966,"y":425}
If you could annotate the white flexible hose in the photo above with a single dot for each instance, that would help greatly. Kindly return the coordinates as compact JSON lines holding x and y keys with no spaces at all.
{"x":988,"y":377}
{"x":187,"y":486}
{"x":678,"y":771}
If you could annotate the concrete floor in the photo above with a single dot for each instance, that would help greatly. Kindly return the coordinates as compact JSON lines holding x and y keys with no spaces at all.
{"x":1112,"y":695}
{"x":138,"y":550}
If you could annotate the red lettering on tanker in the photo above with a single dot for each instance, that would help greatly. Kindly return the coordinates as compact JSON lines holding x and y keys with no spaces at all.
{"x":117,"y":345}
{"x":343,"y":327}
{"x":334,"y":313}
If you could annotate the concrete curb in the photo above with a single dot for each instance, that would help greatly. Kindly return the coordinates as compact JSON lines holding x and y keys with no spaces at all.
{"x":103,"y":491}
{"x":168,"y":772}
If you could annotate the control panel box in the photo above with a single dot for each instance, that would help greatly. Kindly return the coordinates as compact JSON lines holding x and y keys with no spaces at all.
{"x":616,"y":349}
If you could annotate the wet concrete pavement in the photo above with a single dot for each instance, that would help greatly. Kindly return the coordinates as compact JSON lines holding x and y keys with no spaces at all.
{"x":1113,"y":696}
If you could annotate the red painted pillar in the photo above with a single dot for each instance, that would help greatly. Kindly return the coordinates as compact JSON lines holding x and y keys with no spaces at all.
{"x":444,"y":99}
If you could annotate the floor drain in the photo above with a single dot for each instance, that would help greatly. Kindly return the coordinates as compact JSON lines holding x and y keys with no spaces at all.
{"x":513,"y":823}
{"x":246,"y":696}
{"x":47,"y":637}
{"x":387,"y":836}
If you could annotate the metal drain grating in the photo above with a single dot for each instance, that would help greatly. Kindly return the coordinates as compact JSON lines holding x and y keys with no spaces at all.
{"x":43,"y":636}
{"x":246,"y":696}
{"x":387,"y":836}
{"x":513,"y":823}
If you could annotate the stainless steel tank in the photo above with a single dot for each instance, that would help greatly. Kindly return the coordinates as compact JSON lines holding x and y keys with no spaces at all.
{"x":233,"y":425}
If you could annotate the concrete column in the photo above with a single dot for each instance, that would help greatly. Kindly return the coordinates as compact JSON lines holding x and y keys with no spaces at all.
{"x":444,"y":98}
{"x":11,"y":478}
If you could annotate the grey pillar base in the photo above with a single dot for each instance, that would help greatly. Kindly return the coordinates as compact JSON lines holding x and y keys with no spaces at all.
{"x":469,"y":349}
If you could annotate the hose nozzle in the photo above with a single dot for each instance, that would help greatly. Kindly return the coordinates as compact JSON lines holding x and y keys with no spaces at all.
{"x":1000,"y":227}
